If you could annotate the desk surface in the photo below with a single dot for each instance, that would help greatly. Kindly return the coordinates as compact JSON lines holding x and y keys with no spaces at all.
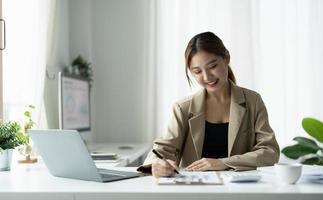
{"x":35,"y":182}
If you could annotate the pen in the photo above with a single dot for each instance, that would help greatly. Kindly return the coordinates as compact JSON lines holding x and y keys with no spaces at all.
{"x":161,"y":157}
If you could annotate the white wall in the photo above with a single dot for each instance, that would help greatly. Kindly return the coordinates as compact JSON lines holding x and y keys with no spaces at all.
{"x":61,"y":57}
{"x":80,"y":34}
{"x":118,"y":58}
{"x":110,"y":34}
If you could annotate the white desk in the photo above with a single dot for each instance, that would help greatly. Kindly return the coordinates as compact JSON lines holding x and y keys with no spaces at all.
{"x":28,"y":182}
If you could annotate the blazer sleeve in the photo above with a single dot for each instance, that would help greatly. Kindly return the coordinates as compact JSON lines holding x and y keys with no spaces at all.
{"x":265,"y":151}
{"x":171,"y":144}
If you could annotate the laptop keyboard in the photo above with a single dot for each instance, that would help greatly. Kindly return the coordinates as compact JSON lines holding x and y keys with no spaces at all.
{"x":113,"y":175}
{"x":109,"y":174}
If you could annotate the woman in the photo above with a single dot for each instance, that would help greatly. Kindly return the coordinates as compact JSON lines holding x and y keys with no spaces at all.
{"x":221,"y":127}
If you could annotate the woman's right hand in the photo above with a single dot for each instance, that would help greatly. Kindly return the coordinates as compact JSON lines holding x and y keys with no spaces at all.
{"x":160,"y":168}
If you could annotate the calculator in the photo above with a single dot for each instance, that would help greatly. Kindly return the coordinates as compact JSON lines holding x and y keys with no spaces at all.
{"x":240,"y":177}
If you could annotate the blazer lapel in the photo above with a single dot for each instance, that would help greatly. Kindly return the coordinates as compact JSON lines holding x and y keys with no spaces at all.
{"x":237,"y":111}
{"x":197,"y":121}
{"x":197,"y":118}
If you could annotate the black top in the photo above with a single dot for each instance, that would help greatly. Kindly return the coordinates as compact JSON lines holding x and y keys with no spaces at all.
{"x":215,"y":140}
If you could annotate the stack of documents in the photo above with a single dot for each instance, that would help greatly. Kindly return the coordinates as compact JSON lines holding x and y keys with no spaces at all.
{"x":314,"y":176}
{"x":185,"y":177}
{"x":313,"y":173}
{"x":104,"y":156}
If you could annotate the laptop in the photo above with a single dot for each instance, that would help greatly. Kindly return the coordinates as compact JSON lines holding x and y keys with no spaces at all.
{"x":66,"y":155}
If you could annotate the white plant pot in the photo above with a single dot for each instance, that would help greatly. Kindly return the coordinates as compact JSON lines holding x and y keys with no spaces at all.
{"x":5,"y":159}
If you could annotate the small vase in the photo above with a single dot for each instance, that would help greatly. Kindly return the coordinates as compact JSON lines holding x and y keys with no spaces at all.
{"x":5,"y":159}
{"x":26,"y":152}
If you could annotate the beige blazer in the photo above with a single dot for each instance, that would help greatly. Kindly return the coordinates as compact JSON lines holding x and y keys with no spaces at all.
{"x":251,"y":141}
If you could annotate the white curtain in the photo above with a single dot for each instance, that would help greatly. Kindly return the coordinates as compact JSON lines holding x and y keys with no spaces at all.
{"x":276,"y":49}
{"x":25,"y":57}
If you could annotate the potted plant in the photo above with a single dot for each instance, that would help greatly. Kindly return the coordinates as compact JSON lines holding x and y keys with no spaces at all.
{"x":80,"y":67}
{"x":28,"y":124}
{"x":83,"y":67}
{"x":10,"y":137}
{"x":306,"y":149}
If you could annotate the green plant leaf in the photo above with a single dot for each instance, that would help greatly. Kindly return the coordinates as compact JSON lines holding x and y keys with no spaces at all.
{"x":10,"y":135}
{"x":306,"y":142}
{"x":312,"y":161}
{"x":27,"y":113}
{"x":297,"y":150}
{"x":314,"y":128}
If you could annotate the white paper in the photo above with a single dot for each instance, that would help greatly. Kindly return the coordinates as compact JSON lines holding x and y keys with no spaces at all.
{"x":185,"y":177}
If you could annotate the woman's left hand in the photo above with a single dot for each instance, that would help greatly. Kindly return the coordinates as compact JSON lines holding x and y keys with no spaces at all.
{"x":207,"y":164}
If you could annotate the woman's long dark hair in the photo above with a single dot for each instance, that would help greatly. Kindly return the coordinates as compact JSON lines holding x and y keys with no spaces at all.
{"x":209,"y":43}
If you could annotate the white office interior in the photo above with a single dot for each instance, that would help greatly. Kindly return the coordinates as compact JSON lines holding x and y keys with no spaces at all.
{"x":138,"y":64}
{"x":138,"y":73}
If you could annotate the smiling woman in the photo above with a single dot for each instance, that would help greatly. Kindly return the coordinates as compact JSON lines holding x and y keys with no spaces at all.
{"x":207,"y":129}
